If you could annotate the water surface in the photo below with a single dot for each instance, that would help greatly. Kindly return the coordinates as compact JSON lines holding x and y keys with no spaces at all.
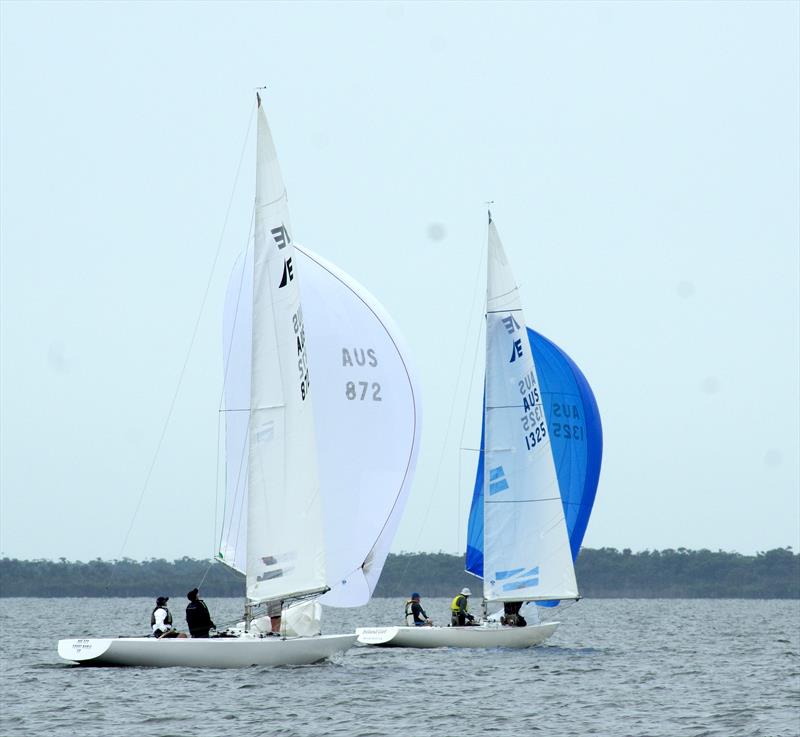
{"x":660,"y":668}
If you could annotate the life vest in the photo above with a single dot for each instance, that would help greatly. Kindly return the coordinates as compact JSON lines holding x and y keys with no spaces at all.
{"x":167,"y":619}
{"x":409,"y":613}
{"x":456,"y":605}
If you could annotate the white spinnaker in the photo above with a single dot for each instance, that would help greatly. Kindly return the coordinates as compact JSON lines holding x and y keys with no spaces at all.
{"x":285,"y":549}
{"x":526,"y":548}
{"x":368,"y":420}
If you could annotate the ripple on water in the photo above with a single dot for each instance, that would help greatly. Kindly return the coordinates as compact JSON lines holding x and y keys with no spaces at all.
{"x":614,"y":668}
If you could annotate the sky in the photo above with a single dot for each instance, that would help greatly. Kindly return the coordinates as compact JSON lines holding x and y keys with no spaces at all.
{"x":644,"y":164}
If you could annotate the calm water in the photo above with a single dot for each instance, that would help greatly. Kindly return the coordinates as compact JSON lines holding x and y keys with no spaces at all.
{"x":614,"y":667}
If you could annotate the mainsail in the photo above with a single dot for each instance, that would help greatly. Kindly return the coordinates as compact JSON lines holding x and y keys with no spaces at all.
{"x":524,"y":552}
{"x":367,"y":416}
{"x":285,"y":550}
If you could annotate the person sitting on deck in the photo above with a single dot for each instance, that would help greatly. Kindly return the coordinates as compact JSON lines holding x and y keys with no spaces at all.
{"x":197,"y":615}
{"x":459,"y":616}
{"x":511,"y":616}
{"x":161,"y":620}
{"x":418,"y":615}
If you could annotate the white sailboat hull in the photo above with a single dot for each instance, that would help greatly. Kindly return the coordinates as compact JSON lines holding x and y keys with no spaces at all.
{"x":204,"y":653}
{"x":483,"y":636}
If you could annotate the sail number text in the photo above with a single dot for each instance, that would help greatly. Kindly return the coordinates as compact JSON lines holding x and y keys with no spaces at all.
{"x":302,"y":355}
{"x":533,"y":425}
{"x":565,"y":426}
{"x":361,"y":390}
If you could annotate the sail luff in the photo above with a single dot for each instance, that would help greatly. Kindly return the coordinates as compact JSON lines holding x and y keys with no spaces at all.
{"x":526,"y":549}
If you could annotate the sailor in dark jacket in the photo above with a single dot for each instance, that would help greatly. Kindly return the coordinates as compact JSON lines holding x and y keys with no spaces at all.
{"x":197,"y":615}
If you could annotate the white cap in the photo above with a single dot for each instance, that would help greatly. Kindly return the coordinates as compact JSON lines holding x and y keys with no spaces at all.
{"x":466,"y":592}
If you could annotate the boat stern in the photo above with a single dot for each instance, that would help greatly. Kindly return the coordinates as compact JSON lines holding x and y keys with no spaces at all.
{"x":82,"y":651}
{"x":376,"y":635}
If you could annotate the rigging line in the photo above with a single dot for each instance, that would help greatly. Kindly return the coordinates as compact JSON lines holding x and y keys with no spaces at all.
{"x":450,"y":421}
{"x":216,"y":485}
{"x":203,"y":579}
{"x":191,"y":341}
{"x":481,"y":324}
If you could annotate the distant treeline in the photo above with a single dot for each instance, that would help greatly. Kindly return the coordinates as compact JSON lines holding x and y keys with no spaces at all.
{"x":603,"y":573}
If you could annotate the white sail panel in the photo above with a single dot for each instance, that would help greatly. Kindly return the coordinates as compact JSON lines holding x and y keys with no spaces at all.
{"x":237,"y":358}
{"x":368,"y":426}
{"x":368,"y":420}
{"x":526,"y":548}
{"x":285,"y":551}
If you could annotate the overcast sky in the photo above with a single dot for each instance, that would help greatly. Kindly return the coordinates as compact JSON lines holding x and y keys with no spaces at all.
{"x":643,"y":159}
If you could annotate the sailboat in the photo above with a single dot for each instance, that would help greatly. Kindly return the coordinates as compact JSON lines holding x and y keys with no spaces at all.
{"x":285,"y":433}
{"x":536,"y":478}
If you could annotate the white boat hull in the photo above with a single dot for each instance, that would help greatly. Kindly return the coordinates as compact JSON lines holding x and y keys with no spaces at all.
{"x":480,"y":636}
{"x":204,"y":653}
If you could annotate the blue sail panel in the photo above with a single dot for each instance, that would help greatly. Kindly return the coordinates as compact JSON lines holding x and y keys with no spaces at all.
{"x":576,"y":437}
{"x":475,"y":525}
{"x":576,"y":434}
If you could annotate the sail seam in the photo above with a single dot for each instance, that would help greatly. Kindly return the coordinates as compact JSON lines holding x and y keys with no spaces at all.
{"x":522,"y":501}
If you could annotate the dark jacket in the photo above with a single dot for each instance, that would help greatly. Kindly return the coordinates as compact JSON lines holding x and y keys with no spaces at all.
{"x":414,"y":608}
{"x":198,"y":617}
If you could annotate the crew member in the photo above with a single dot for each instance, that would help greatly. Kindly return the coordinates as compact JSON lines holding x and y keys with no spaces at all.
{"x":459,"y":616}
{"x":511,"y":616}
{"x":417,"y":614}
{"x":197,"y":615}
{"x":161,"y":619}
{"x":274,"y":611}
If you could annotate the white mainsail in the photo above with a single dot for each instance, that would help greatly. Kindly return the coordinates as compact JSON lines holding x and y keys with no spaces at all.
{"x":285,"y":548}
{"x":526,"y":548}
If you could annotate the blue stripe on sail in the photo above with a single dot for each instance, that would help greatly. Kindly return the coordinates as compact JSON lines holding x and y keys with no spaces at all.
{"x":474,"y":561}
{"x":500,"y":575}
{"x":497,"y":479}
{"x":496,"y":473}
{"x":521,"y":584}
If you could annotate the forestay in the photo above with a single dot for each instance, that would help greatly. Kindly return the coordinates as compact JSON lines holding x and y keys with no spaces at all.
{"x":526,"y":550}
{"x":367,"y":412}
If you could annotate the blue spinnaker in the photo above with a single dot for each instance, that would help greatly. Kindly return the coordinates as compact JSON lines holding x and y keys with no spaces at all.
{"x":576,"y":436}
